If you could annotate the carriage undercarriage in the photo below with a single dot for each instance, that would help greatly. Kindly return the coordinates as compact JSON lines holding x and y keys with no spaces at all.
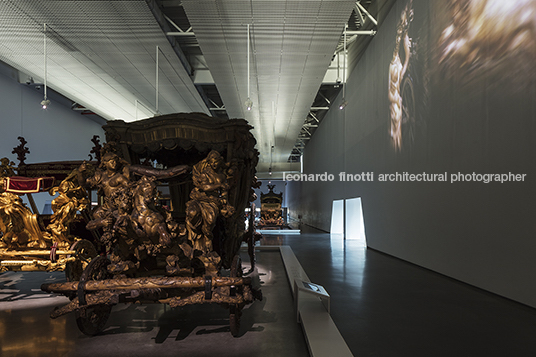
{"x":94,"y":295}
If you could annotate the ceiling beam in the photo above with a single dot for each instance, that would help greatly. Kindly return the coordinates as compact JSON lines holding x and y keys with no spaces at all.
{"x":366,"y":13}
{"x":160,"y":18}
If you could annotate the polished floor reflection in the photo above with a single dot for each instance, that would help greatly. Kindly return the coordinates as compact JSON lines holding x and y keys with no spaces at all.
{"x":387,"y":307}
{"x":268,"y":327}
{"x":382,"y":306}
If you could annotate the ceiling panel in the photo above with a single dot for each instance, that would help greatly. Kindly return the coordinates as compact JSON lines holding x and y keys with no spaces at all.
{"x":101,"y":54}
{"x":292,"y":43}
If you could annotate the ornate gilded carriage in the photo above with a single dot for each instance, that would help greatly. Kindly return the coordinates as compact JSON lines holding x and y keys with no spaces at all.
{"x":271,"y":209}
{"x":186,"y":139}
{"x":30,"y":241}
{"x":173,"y":189}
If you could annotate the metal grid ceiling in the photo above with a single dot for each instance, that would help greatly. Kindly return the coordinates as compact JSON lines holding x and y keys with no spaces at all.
{"x":101,"y":54}
{"x":292,"y":44}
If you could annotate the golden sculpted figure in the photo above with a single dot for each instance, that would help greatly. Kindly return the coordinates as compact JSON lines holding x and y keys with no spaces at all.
{"x":208,"y":200}
{"x":148,"y":222}
{"x":132,"y":226}
{"x":19,"y":225}
{"x":6,"y":168}
{"x":111,"y":178}
{"x":71,"y":198}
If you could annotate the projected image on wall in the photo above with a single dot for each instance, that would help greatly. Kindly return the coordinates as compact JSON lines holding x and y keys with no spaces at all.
{"x":399,"y":109}
{"x":408,"y":81}
{"x":489,"y":39}
{"x":448,"y":54}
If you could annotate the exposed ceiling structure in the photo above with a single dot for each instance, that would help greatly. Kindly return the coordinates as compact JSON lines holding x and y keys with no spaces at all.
{"x":101,"y":54}
{"x":291,"y":44}
{"x":135,"y":59}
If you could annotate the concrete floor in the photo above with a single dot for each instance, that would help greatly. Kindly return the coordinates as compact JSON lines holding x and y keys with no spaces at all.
{"x":387,"y":307}
{"x":381,"y":305}
{"x":268,"y":327}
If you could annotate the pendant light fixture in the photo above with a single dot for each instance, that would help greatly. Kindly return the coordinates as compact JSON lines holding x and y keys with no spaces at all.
{"x":156,"y":84}
{"x":45,"y":102}
{"x":344,"y":102}
{"x":248,"y":103}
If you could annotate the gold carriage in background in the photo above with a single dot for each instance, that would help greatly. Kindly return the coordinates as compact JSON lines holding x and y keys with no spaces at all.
{"x":30,"y":241}
{"x":171,"y":218}
{"x":271,"y":210}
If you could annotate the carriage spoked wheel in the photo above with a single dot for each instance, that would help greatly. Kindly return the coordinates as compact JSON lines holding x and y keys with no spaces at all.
{"x":92,"y":319}
{"x":235,"y":310}
{"x":85,"y":252}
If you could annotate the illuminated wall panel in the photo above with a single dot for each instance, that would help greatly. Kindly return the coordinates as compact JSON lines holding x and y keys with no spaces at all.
{"x":337,"y":217}
{"x":354,"y":224}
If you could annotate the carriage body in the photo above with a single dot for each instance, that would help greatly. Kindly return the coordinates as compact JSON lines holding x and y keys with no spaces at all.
{"x":172,"y":218}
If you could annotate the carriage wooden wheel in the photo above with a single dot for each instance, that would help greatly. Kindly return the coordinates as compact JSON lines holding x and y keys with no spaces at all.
{"x":85,"y":252}
{"x":92,"y":319}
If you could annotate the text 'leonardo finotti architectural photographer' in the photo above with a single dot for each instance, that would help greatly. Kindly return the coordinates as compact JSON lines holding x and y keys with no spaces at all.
{"x":407,"y":177}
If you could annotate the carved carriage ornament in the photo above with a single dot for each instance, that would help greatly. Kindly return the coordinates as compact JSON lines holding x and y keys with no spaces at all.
{"x":169,"y":220}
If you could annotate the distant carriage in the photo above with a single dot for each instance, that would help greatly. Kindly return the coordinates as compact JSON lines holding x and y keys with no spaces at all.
{"x":271,"y":209}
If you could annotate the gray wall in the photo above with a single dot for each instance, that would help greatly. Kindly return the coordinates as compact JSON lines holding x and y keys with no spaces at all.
{"x":55,"y":134}
{"x":473,"y":113}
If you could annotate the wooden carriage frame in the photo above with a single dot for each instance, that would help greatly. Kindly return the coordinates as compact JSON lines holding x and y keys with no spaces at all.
{"x":171,"y":140}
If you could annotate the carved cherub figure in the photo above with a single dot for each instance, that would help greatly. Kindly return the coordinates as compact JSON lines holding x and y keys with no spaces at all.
{"x":19,"y":225}
{"x":110,"y":179}
{"x":6,"y":168}
{"x":71,"y":198}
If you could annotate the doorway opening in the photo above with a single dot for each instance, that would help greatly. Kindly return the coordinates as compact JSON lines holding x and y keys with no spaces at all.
{"x":347,"y":219}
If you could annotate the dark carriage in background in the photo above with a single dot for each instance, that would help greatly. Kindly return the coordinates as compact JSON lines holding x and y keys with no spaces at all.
{"x":174,"y":190}
{"x":186,"y":139}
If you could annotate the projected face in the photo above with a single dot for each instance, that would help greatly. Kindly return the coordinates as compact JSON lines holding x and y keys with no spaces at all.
{"x":489,"y":38}
{"x":397,"y":70}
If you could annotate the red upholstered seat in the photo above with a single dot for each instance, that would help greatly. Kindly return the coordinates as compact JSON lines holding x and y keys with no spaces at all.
{"x":22,"y":185}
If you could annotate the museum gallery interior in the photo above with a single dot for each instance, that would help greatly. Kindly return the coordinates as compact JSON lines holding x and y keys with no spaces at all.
{"x":267,"y":178}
